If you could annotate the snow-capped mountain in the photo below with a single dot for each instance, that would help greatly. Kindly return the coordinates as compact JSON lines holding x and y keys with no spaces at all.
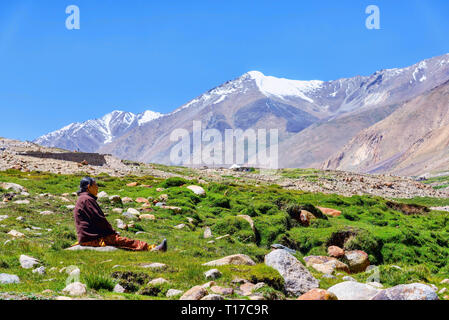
{"x":90,"y":135}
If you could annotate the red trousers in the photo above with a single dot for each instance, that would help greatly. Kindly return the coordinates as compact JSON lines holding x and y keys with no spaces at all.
{"x":115,"y":240}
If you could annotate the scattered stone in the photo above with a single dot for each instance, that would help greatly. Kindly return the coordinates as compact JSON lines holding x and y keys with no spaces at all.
{"x":211,"y":242}
{"x":237,"y":259}
{"x":357,"y":260}
{"x":70,"y":207}
{"x":376,"y":285}
{"x":330,"y":212}
{"x":173,"y":293}
{"x":142,"y":200}
{"x":133,"y":211}
{"x":195,"y":293}
{"x":180,"y":226}
{"x":348,"y":278}
{"x":75,"y":289}
{"x":147,"y":217}
{"x":157,"y":281}
{"x":442,"y":291}
{"x":280,"y":246}
{"x":325,"y":264}
{"x":63,"y":298}
{"x":100,"y":249}
{"x":115,"y":199}
{"x":12,"y":186}
{"x":102,"y":194}
{"x":117,"y":210}
{"x":46,"y":213}
{"x":155,"y":266}
{"x":247,"y":288}
{"x":445,"y":281}
{"x":22,"y":202}
{"x":121,"y":225}
{"x":256,"y":297}
{"x":8,"y":278}
{"x":3,"y":217}
{"x":119,"y":289}
{"x":298,"y":280}
{"x":351,"y":290}
{"x":212,"y":297}
{"x":197,"y":190}
{"x":40,"y":270}
{"x":159,"y":189}
{"x":335,"y":252}
{"x":328,"y":276}
{"x":222,"y":291}
{"x":250,"y":221}
{"x":414,"y":291}
{"x":127,"y":200}
{"x":318,"y":294}
{"x":207,"y":233}
{"x":132,"y":184}
{"x":28,"y":262}
{"x":208,"y":284}
{"x":212,"y":274}
{"x":21,"y":219}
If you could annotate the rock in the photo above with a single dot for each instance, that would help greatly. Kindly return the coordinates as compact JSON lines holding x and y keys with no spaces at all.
{"x":207,"y":233}
{"x":197,"y":190}
{"x":157,"y":281}
{"x":180,"y":226}
{"x":70,"y":207}
{"x":222,"y":291}
{"x":133,"y":211}
{"x":306,"y":217}
{"x":250,"y":221}
{"x":127,"y":200}
{"x":121,"y":225}
{"x":8,"y":278}
{"x":28,"y":262}
{"x":325,"y":264}
{"x":212,"y":297}
{"x":414,"y":291}
{"x":357,"y":260}
{"x":280,"y":246}
{"x":115,"y":199}
{"x":102,"y":194}
{"x":100,"y":249}
{"x":142,"y":200}
{"x":22,"y":202}
{"x":155,"y":266}
{"x":132,"y":184}
{"x":442,"y":291}
{"x":40,"y":270}
{"x":3,"y":217}
{"x":376,"y":285}
{"x":21,"y":219}
{"x":75,"y":289}
{"x":256,"y":297}
{"x":330,"y":212}
{"x":212,"y":274}
{"x":119,"y":289}
{"x":335,"y":252}
{"x":348,"y":278}
{"x":445,"y":281}
{"x":159,"y":189}
{"x":351,"y":290}
{"x":12,"y":186}
{"x":318,"y":294}
{"x":173,"y":293}
{"x":195,"y":293}
{"x":163,"y":197}
{"x":328,"y":276}
{"x":298,"y":280}
{"x":117,"y":210}
{"x":211,"y":242}
{"x":208,"y":284}
{"x":237,"y":259}
{"x":247,"y":288}
{"x":147,"y":217}
{"x":223,"y":237}
{"x":46,"y":213}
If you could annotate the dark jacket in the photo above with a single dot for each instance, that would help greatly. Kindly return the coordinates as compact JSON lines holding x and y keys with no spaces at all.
{"x":90,"y":222}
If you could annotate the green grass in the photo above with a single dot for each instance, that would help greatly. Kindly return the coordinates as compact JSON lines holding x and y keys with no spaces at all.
{"x":419,"y":243}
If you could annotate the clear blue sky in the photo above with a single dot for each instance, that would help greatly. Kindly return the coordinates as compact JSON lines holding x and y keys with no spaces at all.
{"x":143,"y":54}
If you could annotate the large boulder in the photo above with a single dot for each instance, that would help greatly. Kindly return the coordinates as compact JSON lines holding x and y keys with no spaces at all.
{"x":351,"y":290}
{"x":357,"y":260}
{"x":414,"y":291}
{"x":318,"y":294}
{"x":8,"y":278}
{"x":298,"y":280}
{"x":195,"y":293}
{"x":236,"y":259}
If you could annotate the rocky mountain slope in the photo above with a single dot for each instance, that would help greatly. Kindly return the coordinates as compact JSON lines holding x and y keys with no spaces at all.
{"x":412,"y":140}
{"x":90,"y":135}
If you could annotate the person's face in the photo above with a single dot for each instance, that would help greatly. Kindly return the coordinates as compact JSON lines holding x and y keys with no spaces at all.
{"x":93,"y":189}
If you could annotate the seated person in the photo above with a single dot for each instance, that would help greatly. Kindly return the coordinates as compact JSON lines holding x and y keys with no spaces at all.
{"x":94,"y":230}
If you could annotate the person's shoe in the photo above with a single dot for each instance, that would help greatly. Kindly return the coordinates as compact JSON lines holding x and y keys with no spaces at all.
{"x":162,"y":247}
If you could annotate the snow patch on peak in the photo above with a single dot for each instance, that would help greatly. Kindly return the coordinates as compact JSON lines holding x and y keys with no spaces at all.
{"x":148,"y":116}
